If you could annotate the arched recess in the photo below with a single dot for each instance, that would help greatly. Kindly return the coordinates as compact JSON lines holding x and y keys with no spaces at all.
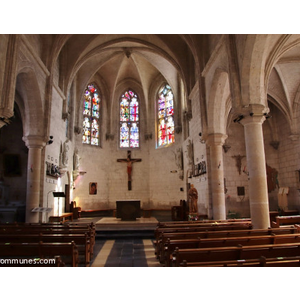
{"x":218,"y":107}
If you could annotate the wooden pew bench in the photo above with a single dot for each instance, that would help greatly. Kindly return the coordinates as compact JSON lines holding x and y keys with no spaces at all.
{"x":234,"y":253}
{"x":220,"y":233}
{"x":52,"y":231}
{"x":202,"y":227}
{"x":171,"y":245}
{"x":160,"y":231}
{"x":81,"y":240}
{"x":293,"y":261}
{"x":205,"y":221}
{"x":62,"y":218}
{"x":80,"y":233}
{"x":286,"y":220}
{"x":67,"y":251}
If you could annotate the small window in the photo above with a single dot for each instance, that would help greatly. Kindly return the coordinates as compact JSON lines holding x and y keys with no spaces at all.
{"x":241,"y":191}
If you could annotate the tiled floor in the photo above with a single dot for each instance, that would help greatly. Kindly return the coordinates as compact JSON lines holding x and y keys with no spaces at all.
{"x":124,"y":253}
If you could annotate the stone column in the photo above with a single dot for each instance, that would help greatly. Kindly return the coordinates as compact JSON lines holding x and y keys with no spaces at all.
{"x":256,"y":164}
{"x":35,"y":146}
{"x":215,"y":142}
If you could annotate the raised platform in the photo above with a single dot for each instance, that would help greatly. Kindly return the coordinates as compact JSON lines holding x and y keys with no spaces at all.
{"x":115,"y":227}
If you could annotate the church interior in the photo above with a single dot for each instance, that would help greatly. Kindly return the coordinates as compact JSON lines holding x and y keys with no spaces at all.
{"x":219,"y":112}
{"x":126,"y":152}
{"x":150,"y":128}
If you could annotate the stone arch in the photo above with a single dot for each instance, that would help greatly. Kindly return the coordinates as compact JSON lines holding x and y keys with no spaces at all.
{"x":28,"y":88}
{"x":253,"y":87}
{"x":217,"y":103}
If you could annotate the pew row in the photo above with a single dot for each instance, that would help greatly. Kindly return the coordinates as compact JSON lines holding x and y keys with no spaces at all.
{"x":81,"y":241}
{"x":42,"y":230}
{"x":203,"y":227}
{"x":82,"y":234}
{"x":293,"y":261}
{"x":285,"y":220}
{"x":171,"y":245}
{"x":205,"y":221}
{"x":218,"y":234}
{"x":234,"y":253}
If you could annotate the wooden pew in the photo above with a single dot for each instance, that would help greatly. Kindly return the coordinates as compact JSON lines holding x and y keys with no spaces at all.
{"x":293,"y":261}
{"x":82,"y":242}
{"x":202,"y":227}
{"x":45,"y":228}
{"x":62,"y":218}
{"x":171,"y":245}
{"x":41,"y":230}
{"x":286,"y":220}
{"x":41,"y":250}
{"x":205,"y":221}
{"x":219,"y":233}
{"x":234,"y":253}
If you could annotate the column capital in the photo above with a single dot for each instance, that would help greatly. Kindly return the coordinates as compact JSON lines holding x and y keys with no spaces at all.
{"x":252,"y":113}
{"x":34,"y":141}
{"x":216,"y":139}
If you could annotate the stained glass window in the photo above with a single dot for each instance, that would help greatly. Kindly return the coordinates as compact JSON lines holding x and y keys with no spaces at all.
{"x":165,"y":114}
{"x":129,"y":120}
{"x":91,"y":115}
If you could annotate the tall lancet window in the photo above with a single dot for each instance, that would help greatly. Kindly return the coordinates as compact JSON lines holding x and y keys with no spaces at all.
{"x":165,"y":113}
{"x":129,"y":120}
{"x":91,"y":116}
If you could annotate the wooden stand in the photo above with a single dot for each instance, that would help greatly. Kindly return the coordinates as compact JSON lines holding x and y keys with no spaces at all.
{"x":61,"y":218}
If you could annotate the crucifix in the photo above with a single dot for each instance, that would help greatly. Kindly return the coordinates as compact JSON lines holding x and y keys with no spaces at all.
{"x":129,"y":162}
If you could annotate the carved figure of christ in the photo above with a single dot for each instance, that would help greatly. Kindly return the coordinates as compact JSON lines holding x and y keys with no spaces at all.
{"x":129,"y":162}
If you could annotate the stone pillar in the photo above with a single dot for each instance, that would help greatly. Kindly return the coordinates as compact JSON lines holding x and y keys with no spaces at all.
{"x":256,"y":164}
{"x":215,"y":142}
{"x":35,"y":146}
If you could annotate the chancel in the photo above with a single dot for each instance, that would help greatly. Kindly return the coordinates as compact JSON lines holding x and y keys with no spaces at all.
{"x":119,"y":106}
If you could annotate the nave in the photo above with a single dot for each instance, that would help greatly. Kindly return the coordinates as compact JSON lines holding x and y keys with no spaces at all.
{"x":124,"y":253}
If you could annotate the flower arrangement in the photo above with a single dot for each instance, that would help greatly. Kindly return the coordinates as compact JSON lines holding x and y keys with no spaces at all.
{"x":194,"y":217}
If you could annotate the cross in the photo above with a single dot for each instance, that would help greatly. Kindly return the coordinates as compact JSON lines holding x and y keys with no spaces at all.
{"x":129,"y":162}
{"x":238,"y":159}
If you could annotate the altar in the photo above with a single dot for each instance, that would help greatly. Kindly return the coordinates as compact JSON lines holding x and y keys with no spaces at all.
{"x":128,"y":210}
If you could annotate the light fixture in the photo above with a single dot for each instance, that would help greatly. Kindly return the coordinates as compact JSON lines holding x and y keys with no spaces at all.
{"x":201,"y":140}
{"x":238,"y":119}
{"x":50,"y":141}
{"x":267,"y":116}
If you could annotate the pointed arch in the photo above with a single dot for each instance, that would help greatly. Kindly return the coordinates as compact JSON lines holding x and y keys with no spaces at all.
{"x":218,"y":106}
